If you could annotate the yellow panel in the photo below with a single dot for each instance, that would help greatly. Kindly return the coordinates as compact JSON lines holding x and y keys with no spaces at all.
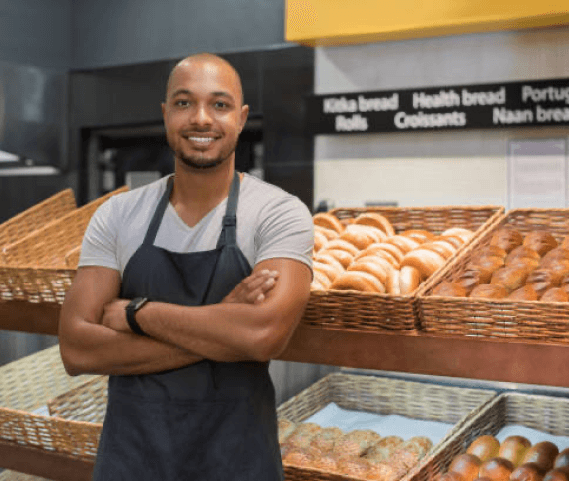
{"x":340,"y":22}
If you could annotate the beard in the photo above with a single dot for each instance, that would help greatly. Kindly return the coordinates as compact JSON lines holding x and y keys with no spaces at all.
{"x":200,"y":162}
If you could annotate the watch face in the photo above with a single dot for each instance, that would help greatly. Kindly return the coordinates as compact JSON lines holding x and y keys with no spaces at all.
{"x":139,"y":302}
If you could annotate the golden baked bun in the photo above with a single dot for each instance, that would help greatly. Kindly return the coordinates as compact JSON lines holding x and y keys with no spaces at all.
{"x":403,"y":243}
{"x":456,"y":241}
{"x":353,"y":467}
{"x":419,"y":235}
{"x":343,"y":257}
{"x":373,"y":267}
{"x":526,"y":472}
{"x":356,"y":442}
{"x":385,"y":471}
{"x":557,"y":474}
{"x":565,"y":243}
{"x":540,"y":241}
{"x":507,"y":238}
{"x":391,"y":254}
{"x":524,"y":252}
{"x":375,"y":220}
{"x":328,"y":233}
{"x":496,"y":469}
{"x":384,"y":448}
{"x":328,"y":462}
{"x":513,"y":448}
{"x":486,"y":262}
{"x":320,"y":281}
{"x":524,"y":293}
{"x":324,"y":257}
{"x":339,"y":244}
{"x":562,"y":459}
{"x":326,"y":439}
{"x":449,"y":289}
{"x":491,"y":250}
{"x":358,"y":281}
{"x":543,"y":454}
{"x":420,"y":445}
{"x":559,"y":254}
{"x":451,"y":476}
{"x":330,"y":271}
{"x":328,"y":221}
{"x":464,"y":234}
{"x":511,"y":278}
{"x":443,"y":248}
{"x":319,"y":240}
{"x":301,"y":458}
{"x":472,"y":277}
{"x":409,"y":280}
{"x":467,"y":465}
{"x":543,"y":279}
{"x":424,"y":260}
{"x":489,"y":291}
{"x":377,"y":259}
{"x":484,"y":447}
{"x":360,"y":236}
{"x":285,"y":428}
{"x":300,"y":438}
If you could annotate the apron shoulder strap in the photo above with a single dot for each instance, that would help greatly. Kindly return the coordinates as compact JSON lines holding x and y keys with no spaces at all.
{"x":228,"y":234}
{"x":158,"y":214}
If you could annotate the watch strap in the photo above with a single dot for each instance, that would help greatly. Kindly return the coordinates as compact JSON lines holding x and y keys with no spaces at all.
{"x":131,"y":309}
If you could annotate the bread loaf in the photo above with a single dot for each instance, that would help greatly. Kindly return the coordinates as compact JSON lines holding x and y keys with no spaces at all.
{"x":525,"y":293}
{"x":450,"y":289}
{"x":409,"y":280}
{"x":328,"y":270}
{"x":540,"y":241}
{"x":443,"y":248}
{"x":328,"y":221}
{"x":507,"y":238}
{"x":555,"y":294}
{"x":285,"y":428}
{"x":319,"y":240}
{"x":472,"y":277}
{"x":419,"y":235}
{"x":372,"y":267}
{"x":511,"y":278}
{"x":339,"y":244}
{"x":424,"y":260}
{"x":403,"y":243}
{"x":522,"y":251}
{"x":375,"y":220}
{"x":379,"y":251}
{"x":358,"y":281}
{"x":464,"y":234}
{"x":360,"y":236}
{"x":328,"y":233}
{"x":326,"y":439}
{"x":343,"y":257}
{"x":489,"y":291}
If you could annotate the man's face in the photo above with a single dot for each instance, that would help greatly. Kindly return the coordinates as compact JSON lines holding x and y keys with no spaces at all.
{"x":203,"y":113}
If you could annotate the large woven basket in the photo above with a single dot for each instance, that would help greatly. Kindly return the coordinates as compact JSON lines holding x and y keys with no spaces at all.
{"x":385,"y":396}
{"x":26,"y":386}
{"x":544,"y":413}
{"x":364,"y":311}
{"x":531,"y":320}
{"x":36,"y":268}
{"x":36,"y":217}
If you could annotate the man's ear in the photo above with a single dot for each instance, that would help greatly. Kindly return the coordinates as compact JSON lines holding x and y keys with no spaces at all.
{"x":244,"y":115}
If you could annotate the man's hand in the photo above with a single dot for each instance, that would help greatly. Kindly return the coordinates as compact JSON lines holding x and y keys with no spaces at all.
{"x":114,"y":315}
{"x":252,"y":289}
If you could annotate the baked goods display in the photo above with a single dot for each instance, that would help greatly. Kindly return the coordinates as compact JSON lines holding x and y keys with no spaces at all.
{"x":514,"y":459}
{"x":514,"y":266}
{"x":367,"y":255}
{"x":361,"y":453}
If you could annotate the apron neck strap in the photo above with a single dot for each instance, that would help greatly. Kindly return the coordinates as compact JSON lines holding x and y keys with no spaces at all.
{"x":228,"y":234}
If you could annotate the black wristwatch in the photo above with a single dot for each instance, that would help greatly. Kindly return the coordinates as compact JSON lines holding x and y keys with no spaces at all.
{"x":131,"y":309}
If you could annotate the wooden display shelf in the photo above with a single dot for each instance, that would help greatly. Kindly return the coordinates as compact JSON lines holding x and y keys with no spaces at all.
{"x":29,"y":317}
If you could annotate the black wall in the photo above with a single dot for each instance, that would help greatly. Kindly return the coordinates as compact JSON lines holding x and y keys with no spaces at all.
{"x":275,"y":82}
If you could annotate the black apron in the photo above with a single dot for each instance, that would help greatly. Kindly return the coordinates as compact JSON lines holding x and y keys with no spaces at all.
{"x":208,"y":421}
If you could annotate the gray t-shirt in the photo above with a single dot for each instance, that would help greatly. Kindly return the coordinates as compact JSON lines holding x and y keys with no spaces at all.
{"x":270,"y":223}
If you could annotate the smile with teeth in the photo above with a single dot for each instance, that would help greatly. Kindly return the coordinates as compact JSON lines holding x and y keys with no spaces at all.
{"x":201,"y":140}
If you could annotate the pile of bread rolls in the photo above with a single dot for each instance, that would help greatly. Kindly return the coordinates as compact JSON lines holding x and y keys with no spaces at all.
{"x":365,"y":254}
{"x":360,"y":453}
{"x":515,"y":459}
{"x":514,"y":266}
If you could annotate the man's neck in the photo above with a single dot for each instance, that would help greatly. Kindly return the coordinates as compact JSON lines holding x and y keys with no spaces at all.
{"x":196,"y":192}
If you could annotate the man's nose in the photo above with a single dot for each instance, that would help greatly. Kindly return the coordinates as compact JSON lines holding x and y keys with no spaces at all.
{"x":201,"y":115}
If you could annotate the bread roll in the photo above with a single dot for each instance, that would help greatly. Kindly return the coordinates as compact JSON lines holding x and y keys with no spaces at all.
{"x":526,"y":472}
{"x":489,"y":291}
{"x":286,"y":428}
{"x":391,"y":249}
{"x":384,"y":448}
{"x":496,"y":469}
{"x":359,"y":235}
{"x":375,"y":220}
{"x":339,"y":244}
{"x":455,"y":241}
{"x":419,"y":235}
{"x":379,"y":250}
{"x":320,"y":281}
{"x":385,"y":471}
{"x":403,"y":243}
{"x":473,"y":277}
{"x":326,"y":439}
{"x":444,"y":249}
{"x":392,"y":287}
{"x":524,"y":262}
{"x":426,"y":261}
{"x":328,"y":233}
{"x":319,"y":240}
{"x":328,"y":221}
{"x":464,"y":234}
{"x":565,"y":243}
{"x":559,"y":254}
{"x":484,"y":447}
{"x":356,"y":442}
{"x":409,"y":280}
{"x":542,"y":280}
{"x":420,"y":445}
{"x":540,"y":241}
{"x":493,"y":251}
{"x":513,"y":448}
{"x":543,"y":454}
{"x":449,"y":289}
{"x":372,"y":267}
{"x":324,"y":257}
{"x":380,"y":260}
{"x":562,"y":459}
{"x":299,"y":457}
{"x":522,"y":251}
{"x":507,"y":238}
{"x":467,"y":465}
{"x":557,"y":474}
{"x":328,"y":462}
{"x":302,"y":435}
{"x":330,"y":271}
{"x":555,"y":294}
{"x":511,"y":278}
{"x":486,"y":262}
{"x":343,"y":257}
{"x":353,"y":467}
{"x":525,"y":293}
{"x":358,"y":281}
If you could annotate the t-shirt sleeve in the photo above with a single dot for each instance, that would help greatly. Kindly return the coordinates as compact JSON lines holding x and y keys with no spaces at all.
{"x":285,"y":230}
{"x":100,"y":239}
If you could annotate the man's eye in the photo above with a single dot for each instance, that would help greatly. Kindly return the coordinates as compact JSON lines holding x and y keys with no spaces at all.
{"x":220,"y":105}
{"x":181,"y":103}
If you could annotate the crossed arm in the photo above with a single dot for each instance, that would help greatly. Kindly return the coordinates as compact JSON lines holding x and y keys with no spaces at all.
{"x":95,"y":337}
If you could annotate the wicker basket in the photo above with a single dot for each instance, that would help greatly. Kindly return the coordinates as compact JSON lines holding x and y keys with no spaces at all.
{"x":26,"y":385}
{"x":532,"y":320}
{"x":364,"y":311}
{"x":378,"y":395}
{"x":35,"y":266}
{"x":36,"y":217}
{"x":544,"y":413}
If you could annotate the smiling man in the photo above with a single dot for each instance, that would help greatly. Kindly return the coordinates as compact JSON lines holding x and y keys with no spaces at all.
{"x":186,"y":288}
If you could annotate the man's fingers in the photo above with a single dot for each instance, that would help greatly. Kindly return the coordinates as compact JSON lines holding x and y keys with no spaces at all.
{"x":267,"y":285}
